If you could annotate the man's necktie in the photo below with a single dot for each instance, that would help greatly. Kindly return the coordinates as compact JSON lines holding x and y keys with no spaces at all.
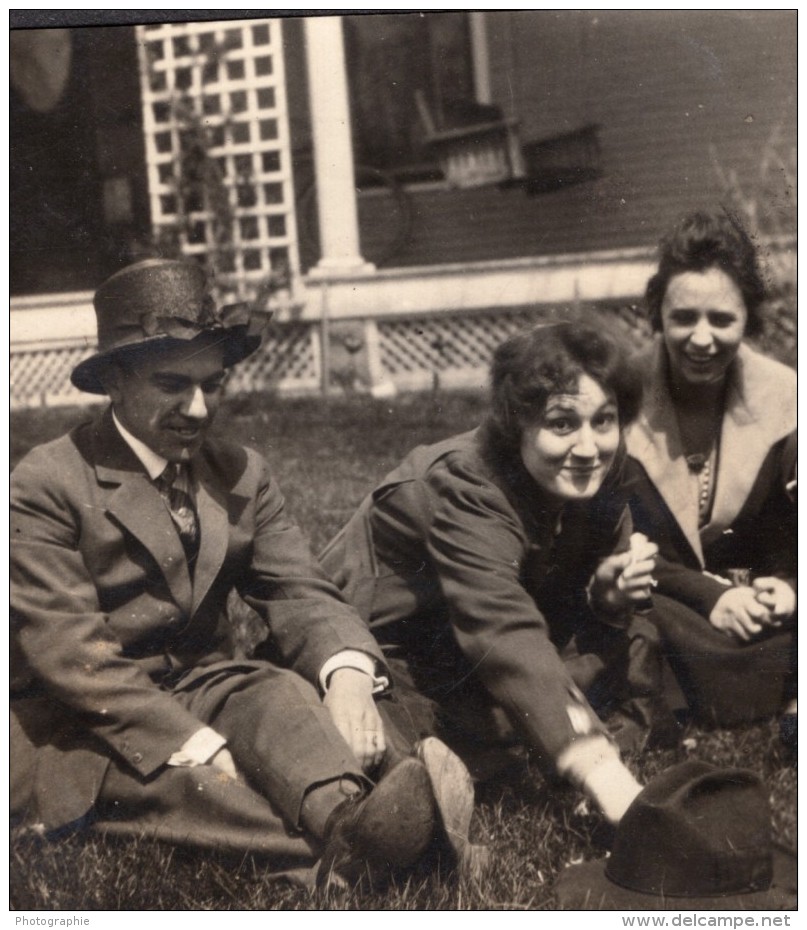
{"x":175,"y":487}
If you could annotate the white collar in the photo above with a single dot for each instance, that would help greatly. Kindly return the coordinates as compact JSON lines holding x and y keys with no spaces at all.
{"x":153,"y":463}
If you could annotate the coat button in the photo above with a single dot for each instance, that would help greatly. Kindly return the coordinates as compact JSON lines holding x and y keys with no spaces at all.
{"x":137,"y":757}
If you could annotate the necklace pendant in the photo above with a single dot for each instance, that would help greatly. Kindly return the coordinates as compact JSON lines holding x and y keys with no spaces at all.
{"x":696,"y":463}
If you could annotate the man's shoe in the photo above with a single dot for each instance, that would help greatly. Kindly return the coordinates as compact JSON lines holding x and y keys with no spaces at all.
{"x":371,"y":834}
{"x":453,"y":791}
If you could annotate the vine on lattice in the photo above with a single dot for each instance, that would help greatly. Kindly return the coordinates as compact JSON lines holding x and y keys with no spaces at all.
{"x":200,"y":186}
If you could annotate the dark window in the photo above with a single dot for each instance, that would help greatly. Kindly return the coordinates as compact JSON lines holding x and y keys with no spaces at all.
{"x":390,"y":59}
{"x":79,"y":205}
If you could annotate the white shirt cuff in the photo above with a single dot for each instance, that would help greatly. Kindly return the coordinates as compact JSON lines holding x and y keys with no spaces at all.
{"x":353,"y":658}
{"x":199,"y":749}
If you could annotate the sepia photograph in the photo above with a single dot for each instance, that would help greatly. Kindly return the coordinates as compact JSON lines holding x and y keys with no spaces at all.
{"x":403,"y":497}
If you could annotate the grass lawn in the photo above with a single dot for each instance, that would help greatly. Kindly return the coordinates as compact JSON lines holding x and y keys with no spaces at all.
{"x":326,"y":455}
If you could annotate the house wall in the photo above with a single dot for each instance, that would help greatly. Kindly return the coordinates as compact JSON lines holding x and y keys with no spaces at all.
{"x":666,"y":89}
{"x":674,"y":93}
{"x":680,"y":98}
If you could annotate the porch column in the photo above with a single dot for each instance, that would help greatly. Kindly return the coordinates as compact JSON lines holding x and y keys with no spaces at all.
{"x":333,"y":149}
{"x":480,"y":56}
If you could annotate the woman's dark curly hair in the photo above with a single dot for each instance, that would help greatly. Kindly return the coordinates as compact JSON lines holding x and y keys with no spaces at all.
{"x":709,"y":239}
{"x":549,"y":359}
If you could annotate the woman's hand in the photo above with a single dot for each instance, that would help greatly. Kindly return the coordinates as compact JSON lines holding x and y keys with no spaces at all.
{"x":625,"y":580}
{"x":350,"y":702}
{"x":739,"y":613}
{"x":777,"y":596}
{"x":223,"y":761}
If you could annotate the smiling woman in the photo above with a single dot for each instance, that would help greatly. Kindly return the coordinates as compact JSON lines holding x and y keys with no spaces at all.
{"x":498,"y":570}
{"x":569,"y":451}
{"x":713,"y":462}
{"x":703,"y":320}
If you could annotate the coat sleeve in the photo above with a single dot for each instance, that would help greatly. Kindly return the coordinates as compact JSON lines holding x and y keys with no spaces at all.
{"x":478,"y":545}
{"x":761,"y":538}
{"x":771,"y":533}
{"x":307,"y":617}
{"x":61,"y":640}
{"x":699,"y":590}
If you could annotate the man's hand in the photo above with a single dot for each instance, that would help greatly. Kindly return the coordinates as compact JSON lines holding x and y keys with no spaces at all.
{"x":738,"y":612}
{"x":350,"y":701}
{"x":777,"y":596}
{"x":623,"y":580}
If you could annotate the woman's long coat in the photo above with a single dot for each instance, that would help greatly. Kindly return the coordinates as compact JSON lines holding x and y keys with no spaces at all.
{"x":752,"y":528}
{"x":457,"y":561}
{"x":752,"y":524}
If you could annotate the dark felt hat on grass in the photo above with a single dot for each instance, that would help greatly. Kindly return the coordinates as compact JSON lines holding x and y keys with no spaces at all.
{"x":696,"y":838}
{"x":162,"y":301}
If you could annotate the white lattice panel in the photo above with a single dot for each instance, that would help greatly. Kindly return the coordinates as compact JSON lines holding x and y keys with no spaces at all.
{"x":440,"y":344}
{"x":42,"y":378}
{"x":289,"y":359}
{"x":217,"y":146}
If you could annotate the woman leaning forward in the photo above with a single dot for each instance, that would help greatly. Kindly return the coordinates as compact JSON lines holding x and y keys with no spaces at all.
{"x":499,"y":571}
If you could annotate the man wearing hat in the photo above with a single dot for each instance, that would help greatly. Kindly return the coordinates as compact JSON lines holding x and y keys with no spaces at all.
{"x":130,"y":711}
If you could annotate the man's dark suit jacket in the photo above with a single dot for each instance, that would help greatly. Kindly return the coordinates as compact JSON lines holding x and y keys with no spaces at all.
{"x":103,"y":608}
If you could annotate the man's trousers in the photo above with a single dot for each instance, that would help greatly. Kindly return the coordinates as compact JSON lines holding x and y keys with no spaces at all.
{"x":283,"y":741}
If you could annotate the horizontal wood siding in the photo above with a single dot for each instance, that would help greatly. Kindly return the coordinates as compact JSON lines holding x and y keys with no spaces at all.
{"x":672,"y":92}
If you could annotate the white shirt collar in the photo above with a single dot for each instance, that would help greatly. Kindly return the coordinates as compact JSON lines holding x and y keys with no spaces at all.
{"x":153,"y":463}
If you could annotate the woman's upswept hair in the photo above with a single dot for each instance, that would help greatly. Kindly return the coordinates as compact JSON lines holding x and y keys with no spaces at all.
{"x":709,"y":239}
{"x":549,"y":359}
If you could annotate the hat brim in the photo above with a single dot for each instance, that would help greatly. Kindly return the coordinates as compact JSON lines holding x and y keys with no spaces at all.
{"x":87,"y":375}
{"x":585,"y":887}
